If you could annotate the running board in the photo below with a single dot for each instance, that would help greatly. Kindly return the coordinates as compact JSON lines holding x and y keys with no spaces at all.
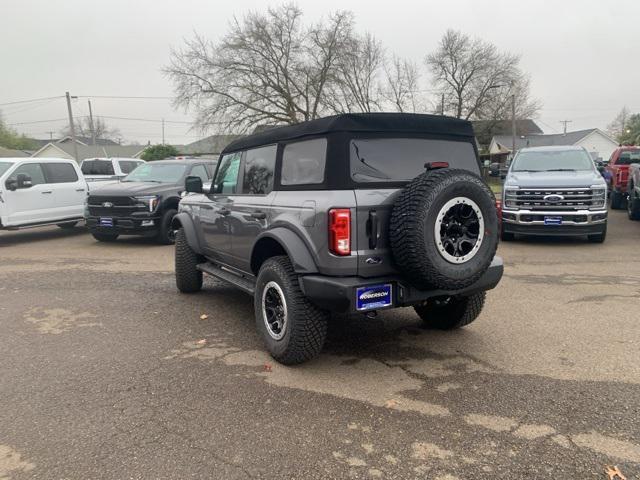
{"x":244,"y":284}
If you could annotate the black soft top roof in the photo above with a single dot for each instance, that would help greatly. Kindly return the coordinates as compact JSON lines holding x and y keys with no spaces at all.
{"x":358,"y":122}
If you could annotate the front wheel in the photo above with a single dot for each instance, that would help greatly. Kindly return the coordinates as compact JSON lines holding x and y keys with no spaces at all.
{"x":105,"y":237}
{"x":166,"y":234}
{"x":188,"y":277}
{"x":293,"y":329}
{"x":449,"y":313}
{"x":617,"y":200}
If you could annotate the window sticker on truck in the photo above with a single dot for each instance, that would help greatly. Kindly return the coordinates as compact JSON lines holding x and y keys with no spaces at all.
{"x":374,"y":296}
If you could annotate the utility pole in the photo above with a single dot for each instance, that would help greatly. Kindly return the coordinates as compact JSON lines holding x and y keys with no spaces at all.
{"x":93,"y":130}
{"x":50,"y":135}
{"x":163,"y":131}
{"x":442,"y":105}
{"x":513,"y":125}
{"x":73,"y":131}
{"x":565,"y":125}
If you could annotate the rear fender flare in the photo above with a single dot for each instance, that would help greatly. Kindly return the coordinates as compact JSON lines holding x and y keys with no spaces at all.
{"x":184,"y":221}
{"x":293,"y":245}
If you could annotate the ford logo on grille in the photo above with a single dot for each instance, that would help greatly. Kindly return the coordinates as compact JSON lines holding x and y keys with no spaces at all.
{"x":554,"y":198}
{"x":107,"y":204}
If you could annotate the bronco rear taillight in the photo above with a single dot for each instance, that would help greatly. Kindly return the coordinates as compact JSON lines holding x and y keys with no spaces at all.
{"x":340,"y":231}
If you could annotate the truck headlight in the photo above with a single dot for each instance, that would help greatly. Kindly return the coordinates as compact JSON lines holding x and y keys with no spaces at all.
{"x":598,"y":197}
{"x":150,"y":202}
{"x":510,"y":197}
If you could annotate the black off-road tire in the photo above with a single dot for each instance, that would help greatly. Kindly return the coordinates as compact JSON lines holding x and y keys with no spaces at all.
{"x":455,"y":313}
{"x":305,"y":328}
{"x":166,"y":234}
{"x":633,"y":204}
{"x":67,"y":226}
{"x":105,"y":237}
{"x":188,"y":277}
{"x":413,"y":219}
{"x":598,"y":237}
{"x":617,"y":200}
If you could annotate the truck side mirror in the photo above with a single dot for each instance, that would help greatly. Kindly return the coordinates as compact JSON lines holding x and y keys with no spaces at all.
{"x":23,"y":181}
{"x":11,"y":184}
{"x":193,"y":184}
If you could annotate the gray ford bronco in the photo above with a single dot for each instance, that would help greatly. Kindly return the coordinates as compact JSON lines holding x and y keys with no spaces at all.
{"x":353,"y":213}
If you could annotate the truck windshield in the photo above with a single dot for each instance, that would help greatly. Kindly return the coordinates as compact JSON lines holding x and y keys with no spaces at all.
{"x":402,"y":159}
{"x":4,"y":166}
{"x":547,"y":161}
{"x":158,"y":173}
{"x":629,"y":157}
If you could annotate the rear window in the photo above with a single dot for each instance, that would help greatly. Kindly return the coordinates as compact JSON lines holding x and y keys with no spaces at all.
{"x":97,"y":167}
{"x":60,"y":173}
{"x":629,"y":157}
{"x":127,"y":166}
{"x":402,"y":159}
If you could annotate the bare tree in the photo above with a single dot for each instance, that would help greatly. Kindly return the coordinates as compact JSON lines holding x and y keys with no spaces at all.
{"x":617,"y":127}
{"x":476,"y":78}
{"x":402,"y":85}
{"x":103,"y":131}
{"x":269,"y":69}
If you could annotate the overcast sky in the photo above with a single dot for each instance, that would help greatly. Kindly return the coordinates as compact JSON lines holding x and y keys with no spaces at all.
{"x":582,"y":55}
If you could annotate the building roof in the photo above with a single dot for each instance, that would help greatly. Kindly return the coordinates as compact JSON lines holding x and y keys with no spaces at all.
{"x":211,"y":145}
{"x":358,"y":122}
{"x":9,"y":153}
{"x":570,"y":138}
{"x":90,"y":151}
{"x":485,"y":130}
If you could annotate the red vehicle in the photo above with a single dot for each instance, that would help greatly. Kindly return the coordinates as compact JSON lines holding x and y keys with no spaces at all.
{"x":618,"y":173}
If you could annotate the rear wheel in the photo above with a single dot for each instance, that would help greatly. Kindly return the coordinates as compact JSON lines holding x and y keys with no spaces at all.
{"x":633,"y":204}
{"x":449,"y":313}
{"x":67,"y":226}
{"x":293,"y":329}
{"x":617,"y":200}
{"x":105,"y":237}
{"x":167,"y":235}
{"x":188,"y":277}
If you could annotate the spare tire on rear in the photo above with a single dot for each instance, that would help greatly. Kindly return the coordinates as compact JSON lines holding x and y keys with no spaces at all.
{"x":444,"y":229}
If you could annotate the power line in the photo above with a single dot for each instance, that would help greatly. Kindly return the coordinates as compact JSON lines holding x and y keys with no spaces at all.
{"x":141,"y":97}
{"x":31,"y":100}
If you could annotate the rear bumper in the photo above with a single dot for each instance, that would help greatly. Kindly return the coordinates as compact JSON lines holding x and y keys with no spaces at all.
{"x":338,"y":294}
{"x":125,"y":225}
{"x":532,"y":222}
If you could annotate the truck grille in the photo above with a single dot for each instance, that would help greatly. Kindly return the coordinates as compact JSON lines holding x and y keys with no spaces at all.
{"x":550,"y":199}
{"x":120,"y":206}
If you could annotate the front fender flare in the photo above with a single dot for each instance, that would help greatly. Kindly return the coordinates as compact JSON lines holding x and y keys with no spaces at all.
{"x":296,"y":249}
{"x":184,"y":221}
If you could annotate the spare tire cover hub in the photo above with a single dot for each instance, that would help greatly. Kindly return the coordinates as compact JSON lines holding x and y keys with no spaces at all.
{"x":459,"y":230}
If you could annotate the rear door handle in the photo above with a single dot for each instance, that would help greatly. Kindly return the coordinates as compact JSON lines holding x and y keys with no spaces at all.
{"x":259,"y":215}
{"x":79,"y":189}
{"x":47,"y":191}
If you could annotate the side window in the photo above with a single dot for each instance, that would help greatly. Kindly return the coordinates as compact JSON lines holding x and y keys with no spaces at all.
{"x":60,"y":173}
{"x":226,"y":180}
{"x":97,"y":167}
{"x":259,"y":167}
{"x":200,"y":171}
{"x":33,"y":170}
{"x":303,"y":163}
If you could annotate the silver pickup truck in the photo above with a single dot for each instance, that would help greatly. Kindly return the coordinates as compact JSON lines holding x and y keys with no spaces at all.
{"x":554,"y":191}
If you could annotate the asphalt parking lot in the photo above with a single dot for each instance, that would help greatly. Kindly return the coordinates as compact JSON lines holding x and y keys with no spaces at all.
{"x":107,"y":372}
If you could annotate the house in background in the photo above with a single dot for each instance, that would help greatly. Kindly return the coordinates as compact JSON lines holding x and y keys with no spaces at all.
{"x":485,"y":130}
{"x":9,"y":153}
{"x":65,"y":150}
{"x":209,"y":147}
{"x":597,"y":143}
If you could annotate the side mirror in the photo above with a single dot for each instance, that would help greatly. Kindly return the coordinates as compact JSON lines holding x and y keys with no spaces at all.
{"x":193,"y":184}
{"x":24,"y":180}
{"x":11,"y":184}
{"x":206,"y":187}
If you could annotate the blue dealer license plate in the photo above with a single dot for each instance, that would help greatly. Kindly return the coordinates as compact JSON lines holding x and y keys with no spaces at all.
{"x":106,"y":222}
{"x":374,"y":296}
{"x":553,"y":220}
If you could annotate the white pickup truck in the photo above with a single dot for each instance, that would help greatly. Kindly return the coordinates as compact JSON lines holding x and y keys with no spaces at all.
{"x":41,"y":191}
{"x":105,"y":169}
